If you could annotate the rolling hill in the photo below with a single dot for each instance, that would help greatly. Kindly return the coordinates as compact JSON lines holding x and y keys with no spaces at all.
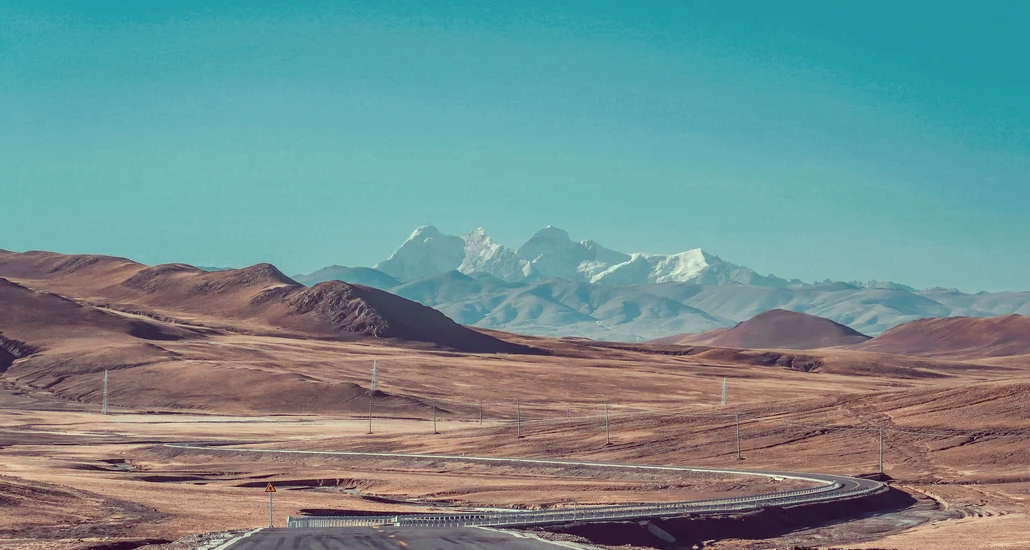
{"x":775,"y":329}
{"x":956,"y":338}
{"x":258,"y":298}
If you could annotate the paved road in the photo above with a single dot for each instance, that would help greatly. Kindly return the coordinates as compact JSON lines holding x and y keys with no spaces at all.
{"x":847,"y":484}
{"x":428,"y":535}
{"x":387,"y":539}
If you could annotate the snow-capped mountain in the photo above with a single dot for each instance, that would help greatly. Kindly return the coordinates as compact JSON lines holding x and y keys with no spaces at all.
{"x":427,"y":252}
{"x":692,"y":266}
{"x":551,"y":254}
{"x":554,"y":286}
{"x":483,"y":255}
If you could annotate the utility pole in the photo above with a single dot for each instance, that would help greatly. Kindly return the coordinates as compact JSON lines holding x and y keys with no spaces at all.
{"x":372,"y":391}
{"x":737,"y":436}
{"x":518,"y":419}
{"x":568,"y":414}
{"x":725,"y":398}
{"x":881,"y":451}
{"x":607,"y":432}
{"x":434,"y":418}
{"x":370,"y":414}
{"x":103,"y":408}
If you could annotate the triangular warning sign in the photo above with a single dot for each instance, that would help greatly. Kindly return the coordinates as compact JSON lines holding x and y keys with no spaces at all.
{"x":269,"y":489}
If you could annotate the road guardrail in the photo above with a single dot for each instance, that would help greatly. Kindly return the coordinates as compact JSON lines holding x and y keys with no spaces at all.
{"x":830,"y":488}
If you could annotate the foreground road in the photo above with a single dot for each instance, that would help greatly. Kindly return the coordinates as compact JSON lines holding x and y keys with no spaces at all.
{"x":387,"y":539}
{"x":827,"y":488}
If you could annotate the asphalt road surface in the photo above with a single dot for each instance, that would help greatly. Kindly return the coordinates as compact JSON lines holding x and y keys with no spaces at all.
{"x":470,"y":538}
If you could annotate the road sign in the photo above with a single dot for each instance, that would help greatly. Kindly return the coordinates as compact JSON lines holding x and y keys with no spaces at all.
{"x":270,"y":489}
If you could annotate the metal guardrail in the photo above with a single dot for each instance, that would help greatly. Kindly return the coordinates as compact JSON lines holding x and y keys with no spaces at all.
{"x":832,"y":488}
{"x":826,"y":493}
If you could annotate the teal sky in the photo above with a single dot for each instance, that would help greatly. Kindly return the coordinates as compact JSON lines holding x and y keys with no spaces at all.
{"x":843,"y":140}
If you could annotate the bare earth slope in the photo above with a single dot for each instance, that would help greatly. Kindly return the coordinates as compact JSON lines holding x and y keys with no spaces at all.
{"x":956,"y":338}
{"x":776,"y":329}
{"x":259,"y":295}
{"x":43,"y":318}
{"x":51,"y":343}
{"x":955,"y":428}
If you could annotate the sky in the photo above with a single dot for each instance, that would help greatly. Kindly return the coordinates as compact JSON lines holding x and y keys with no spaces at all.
{"x":813,"y":140}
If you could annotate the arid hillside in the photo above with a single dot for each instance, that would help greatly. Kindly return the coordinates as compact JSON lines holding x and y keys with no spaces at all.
{"x":251,"y":340}
{"x":956,"y":338}
{"x":775,"y":329}
{"x":177,"y":339}
{"x":257,"y":298}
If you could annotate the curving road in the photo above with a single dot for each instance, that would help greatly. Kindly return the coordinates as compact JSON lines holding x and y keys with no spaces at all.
{"x":828,"y":488}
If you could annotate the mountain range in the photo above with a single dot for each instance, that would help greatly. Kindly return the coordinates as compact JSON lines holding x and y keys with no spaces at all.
{"x":130,"y":296}
{"x":555,"y":286}
{"x":551,"y":254}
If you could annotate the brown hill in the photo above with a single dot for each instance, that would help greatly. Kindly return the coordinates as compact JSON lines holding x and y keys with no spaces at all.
{"x":775,"y":329}
{"x":46,"y":338}
{"x":336,"y":307}
{"x":78,"y":274}
{"x":42,"y":318}
{"x":956,"y":338}
{"x":51,"y":343}
{"x":259,"y":297}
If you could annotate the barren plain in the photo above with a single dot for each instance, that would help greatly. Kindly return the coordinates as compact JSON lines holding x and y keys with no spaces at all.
{"x":180,"y":369}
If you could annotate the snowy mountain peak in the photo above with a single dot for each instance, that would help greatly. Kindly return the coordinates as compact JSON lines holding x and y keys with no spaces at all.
{"x":427,"y":252}
{"x":424,"y":232}
{"x":484,"y":255}
{"x":550,"y":253}
{"x":551,"y":233}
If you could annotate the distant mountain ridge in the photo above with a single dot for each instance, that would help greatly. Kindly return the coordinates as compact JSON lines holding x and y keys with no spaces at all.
{"x":354,"y":275}
{"x":257,"y":297}
{"x":551,"y":254}
{"x":554,"y":286}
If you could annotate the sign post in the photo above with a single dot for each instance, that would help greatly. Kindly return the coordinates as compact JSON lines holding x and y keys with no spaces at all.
{"x":270,"y":489}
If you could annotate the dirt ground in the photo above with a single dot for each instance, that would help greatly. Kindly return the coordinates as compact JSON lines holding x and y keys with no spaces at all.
{"x":86,"y":479}
{"x":955,"y":433}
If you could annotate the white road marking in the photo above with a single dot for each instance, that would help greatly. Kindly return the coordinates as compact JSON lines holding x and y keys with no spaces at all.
{"x":236,"y":539}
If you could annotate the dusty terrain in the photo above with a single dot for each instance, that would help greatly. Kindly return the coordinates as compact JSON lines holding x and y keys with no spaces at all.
{"x":957,"y":338}
{"x":218,"y":367}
